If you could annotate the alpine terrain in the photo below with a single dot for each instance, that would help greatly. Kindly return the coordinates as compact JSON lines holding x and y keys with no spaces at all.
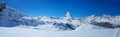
{"x":14,"y":23}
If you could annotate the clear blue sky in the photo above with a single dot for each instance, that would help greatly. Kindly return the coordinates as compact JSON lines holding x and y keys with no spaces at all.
{"x":77,"y":8}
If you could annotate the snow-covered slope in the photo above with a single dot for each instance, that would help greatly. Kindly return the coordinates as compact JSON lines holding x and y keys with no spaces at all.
{"x":22,"y":32}
{"x":61,"y":23}
{"x":16,"y":24}
{"x":106,"y":21}
{"x":10,"y":17}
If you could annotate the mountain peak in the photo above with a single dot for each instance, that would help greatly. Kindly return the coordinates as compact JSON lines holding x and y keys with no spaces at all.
{"x":68,"y":15}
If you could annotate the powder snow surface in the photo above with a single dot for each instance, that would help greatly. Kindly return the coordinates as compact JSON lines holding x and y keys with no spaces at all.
{"x":22,"y":32}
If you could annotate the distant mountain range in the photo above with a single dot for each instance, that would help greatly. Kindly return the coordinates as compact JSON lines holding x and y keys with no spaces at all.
{"x":9,"y":17}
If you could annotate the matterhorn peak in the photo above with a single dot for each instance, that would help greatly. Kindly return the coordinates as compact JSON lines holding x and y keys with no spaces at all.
{"x":68,"y":16}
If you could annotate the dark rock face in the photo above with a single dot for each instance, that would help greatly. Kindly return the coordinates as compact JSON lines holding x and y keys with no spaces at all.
{"x":64,"y":26}
{"x":2,"y":6}
{"x":70,"y":26}
{"x":105,"y":24}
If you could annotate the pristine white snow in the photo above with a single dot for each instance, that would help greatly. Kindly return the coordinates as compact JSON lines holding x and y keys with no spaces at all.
{"x":12,"y":17}
{"x":16,"y":24}
{"x":22,"y":32}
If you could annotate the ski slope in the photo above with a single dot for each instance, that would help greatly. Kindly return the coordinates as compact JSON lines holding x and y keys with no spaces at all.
{"x":23,"y":32}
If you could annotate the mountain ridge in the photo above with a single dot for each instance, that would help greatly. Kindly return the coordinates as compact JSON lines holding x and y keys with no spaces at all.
{"x":12,"y":18}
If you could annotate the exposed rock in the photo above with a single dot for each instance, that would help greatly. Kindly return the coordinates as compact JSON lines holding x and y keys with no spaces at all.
{"x":105,"y":24}
{"x":2,"y":6}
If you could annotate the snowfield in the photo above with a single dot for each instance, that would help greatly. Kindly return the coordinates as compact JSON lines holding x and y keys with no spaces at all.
{"x":23,"y":32}
{"x":13,"y":23}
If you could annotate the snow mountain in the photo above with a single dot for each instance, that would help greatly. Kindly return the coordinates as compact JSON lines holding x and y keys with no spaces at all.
{"x":59,"y":23}
{"x":9,"y":17}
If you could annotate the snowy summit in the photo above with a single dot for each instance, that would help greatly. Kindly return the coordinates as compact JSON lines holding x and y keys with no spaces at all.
{"x":68,"y":14}
{"x":13,"y":23}
{"x":10,"y":17}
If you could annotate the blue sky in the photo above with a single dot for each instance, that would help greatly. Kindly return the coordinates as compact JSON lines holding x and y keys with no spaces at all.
{"x":77,"y":8}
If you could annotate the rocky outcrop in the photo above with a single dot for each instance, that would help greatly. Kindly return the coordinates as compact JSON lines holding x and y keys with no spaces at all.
{"x":105,"y":24}
{"x":2,"y":6}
